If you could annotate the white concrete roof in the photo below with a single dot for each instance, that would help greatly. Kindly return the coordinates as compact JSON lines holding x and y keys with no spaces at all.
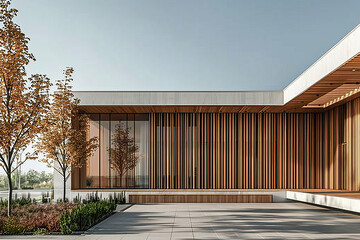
{"x":342,"y":52}
{"x":180,"y":98}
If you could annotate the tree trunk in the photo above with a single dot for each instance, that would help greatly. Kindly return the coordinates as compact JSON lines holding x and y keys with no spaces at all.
{"x":10,"y":194}
{"x":64,"y":193}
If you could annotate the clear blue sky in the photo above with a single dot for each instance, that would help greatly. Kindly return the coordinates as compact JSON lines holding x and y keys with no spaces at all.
{"x":182,"y":45}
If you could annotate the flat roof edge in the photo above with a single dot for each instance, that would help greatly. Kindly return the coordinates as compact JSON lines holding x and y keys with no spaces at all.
{"x":198,"y":98}
{"x":343,"y":51}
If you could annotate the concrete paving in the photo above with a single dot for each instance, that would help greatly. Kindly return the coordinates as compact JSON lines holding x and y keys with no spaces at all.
{"x":222,"y":221}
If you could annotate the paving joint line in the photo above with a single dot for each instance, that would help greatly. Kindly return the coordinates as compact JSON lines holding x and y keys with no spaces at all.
{"x":172,"y":227}
{"x":192,"y":229}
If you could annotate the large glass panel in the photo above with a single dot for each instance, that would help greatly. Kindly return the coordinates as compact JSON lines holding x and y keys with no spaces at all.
{"x":118,"y":150}
{"x":142,"y":143}
{"x":92,"y":168}
{"x":129,"y":152}
{"x":122,"y":159}
{"x":132,"y":152}
{"x":104,"y":140}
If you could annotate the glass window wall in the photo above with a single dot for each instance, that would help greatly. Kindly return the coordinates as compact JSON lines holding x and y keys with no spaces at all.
{"x":122,"y":159}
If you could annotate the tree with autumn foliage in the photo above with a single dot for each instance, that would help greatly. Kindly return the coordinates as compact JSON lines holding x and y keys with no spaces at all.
{"x":124,"y":152}
{"x":24,"y":100}
{"x":64,"y":140}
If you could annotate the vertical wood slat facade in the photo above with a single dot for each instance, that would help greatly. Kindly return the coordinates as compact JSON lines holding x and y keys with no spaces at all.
{"x":250,"y":150}
{"x":256,"y":150}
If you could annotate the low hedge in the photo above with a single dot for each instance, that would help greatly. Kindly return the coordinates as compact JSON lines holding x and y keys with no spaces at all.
{"x":86,"y":215}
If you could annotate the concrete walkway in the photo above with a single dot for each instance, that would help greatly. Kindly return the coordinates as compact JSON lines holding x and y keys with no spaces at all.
{"x":223,"y":221}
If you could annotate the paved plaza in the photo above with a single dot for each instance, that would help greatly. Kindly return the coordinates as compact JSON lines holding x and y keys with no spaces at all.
{"x":222,"y":221}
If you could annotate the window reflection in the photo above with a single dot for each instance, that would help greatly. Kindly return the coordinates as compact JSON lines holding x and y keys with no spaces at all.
{"x":141,"y":133}
{"x":92,"y":179}
{"x":124,"y":153}
{"x":104,"y":162}
{"x":121,"y":161}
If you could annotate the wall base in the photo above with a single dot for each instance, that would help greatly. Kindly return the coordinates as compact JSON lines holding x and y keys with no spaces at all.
{"x":342,"y":203}
{"x":277,"y":195}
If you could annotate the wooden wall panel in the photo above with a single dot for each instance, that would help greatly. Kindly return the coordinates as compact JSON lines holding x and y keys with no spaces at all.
{"x":256,"y":150}
{"x":200,"y":198}
{"x":232,"y":150}
{"x":351,"y":147}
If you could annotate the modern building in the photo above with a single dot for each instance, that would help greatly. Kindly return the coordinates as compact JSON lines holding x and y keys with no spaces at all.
{"x":306,"y":136}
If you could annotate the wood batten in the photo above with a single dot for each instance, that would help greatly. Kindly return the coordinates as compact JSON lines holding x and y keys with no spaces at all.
{"x":347,"y":74}
{"x":255,"y":150}
{"x":200,"y":198}
{"x":248,"y":151}
{"x":231,"y":151}
{"x":335,"y":96}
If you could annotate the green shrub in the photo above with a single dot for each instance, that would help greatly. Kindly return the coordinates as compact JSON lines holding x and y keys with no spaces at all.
{"x":12,"y":226}
{"x":85,"y":216}
{"x":40,"y":231}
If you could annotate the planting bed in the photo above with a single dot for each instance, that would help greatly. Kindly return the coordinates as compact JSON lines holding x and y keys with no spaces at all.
{"x":53,"y":217}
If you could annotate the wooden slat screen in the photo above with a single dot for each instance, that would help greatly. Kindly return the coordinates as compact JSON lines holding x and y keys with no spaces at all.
{"x":256,"y":150}
{"x":253,"y":150}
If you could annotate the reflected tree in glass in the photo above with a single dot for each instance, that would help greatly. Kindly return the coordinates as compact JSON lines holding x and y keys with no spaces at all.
{"x":123,"y":152}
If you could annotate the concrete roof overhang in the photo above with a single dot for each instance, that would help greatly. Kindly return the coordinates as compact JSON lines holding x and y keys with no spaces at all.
{"x":339,"y":66}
